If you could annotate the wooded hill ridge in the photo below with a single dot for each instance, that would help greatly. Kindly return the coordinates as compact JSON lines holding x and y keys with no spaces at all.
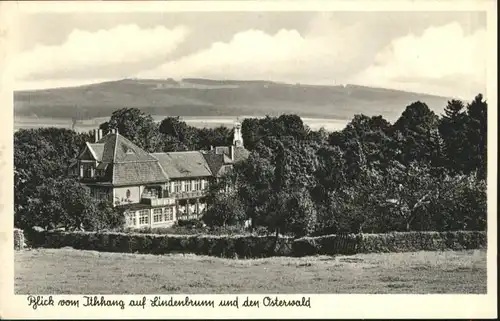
{"x":206,"y":97}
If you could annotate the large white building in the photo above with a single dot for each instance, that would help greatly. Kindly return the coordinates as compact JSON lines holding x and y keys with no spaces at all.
{"x":155,"y":189}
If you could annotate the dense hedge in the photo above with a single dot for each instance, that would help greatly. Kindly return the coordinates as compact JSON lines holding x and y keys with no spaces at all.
{"x":422,"y":241}
{"x":259,"y":246}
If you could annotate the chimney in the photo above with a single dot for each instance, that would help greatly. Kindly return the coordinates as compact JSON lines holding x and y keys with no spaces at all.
{"x":96,"y":133}
{"x":231,"y":150}
{"x":100,"y":134}
{"x":211,"y":147}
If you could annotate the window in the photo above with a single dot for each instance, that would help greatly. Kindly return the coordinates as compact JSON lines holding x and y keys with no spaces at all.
{"x":197,"y":185}
{"x":143,"y":217}
{"x":87,"y":171}
{"x":131,"y":219}
{"x":157,"y":215}
{"x":169,"y":214}
{"x":178,"y":186}
{"x":187,"y":186}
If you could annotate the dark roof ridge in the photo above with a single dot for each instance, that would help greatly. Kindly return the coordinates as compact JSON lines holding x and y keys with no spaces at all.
{"x":113,"y":179}
{"x":137,"y":161}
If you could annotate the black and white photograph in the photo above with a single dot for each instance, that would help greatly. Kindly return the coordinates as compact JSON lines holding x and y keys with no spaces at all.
{"x":285,"y":152}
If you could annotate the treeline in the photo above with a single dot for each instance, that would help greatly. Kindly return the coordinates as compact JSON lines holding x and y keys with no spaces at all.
{"x":46,"y":196}
{"x":424,"y":172}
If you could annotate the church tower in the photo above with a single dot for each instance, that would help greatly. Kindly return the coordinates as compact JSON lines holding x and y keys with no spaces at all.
{"x":237,"y":138}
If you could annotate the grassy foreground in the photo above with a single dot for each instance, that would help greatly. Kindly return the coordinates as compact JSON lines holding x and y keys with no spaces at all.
{"x":68,"y":271}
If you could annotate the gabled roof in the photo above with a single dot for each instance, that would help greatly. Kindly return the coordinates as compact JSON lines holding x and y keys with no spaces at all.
{"x":183,"y":164}
{"x":119,"y":149}
{"x":214,"y":161}
{"x":96,"y":149}
{"x":138,"y":173}
{"x":127,"y":164}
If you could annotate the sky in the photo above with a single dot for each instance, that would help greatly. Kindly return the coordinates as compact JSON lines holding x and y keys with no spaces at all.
{"x":436,"y":52}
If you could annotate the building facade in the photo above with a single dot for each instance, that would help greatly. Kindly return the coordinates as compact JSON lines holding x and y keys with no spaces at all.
{"x":154,"y":189}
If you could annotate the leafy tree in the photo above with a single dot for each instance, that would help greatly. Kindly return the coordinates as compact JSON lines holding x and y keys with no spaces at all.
{"x":225,"y":207}
{"x":409,"y":192}
{"x":67,"y":203}
{"x":55,"y":149}
{"x":179,"y":131}
{"x":413,"y":133}
{"x":137,"y":126}
{"x":219,"y":136}
{"x":256,"y":176}
{"x":477,"y":134}
{"x":453,"y":130}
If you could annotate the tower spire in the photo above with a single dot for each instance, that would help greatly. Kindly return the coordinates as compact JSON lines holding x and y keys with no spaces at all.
{"x":237,"y":138}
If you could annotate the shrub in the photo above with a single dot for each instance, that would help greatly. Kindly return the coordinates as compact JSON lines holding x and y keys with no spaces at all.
{"x":251,"y":246}
{"x":190,"y":223}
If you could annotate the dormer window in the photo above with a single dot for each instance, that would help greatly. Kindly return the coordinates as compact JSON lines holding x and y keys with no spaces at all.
{"x":130,"y":152}
{"x":88,"y":171}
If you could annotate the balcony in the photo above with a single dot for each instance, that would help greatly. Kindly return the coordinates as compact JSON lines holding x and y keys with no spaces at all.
{"x":187,"y":195}
{"x":157,"y":201}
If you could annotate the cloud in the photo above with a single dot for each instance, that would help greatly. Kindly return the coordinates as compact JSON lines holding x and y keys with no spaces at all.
{"x":443,"y":60}
{"x":124,"y":44}
{"x":323,"y":54}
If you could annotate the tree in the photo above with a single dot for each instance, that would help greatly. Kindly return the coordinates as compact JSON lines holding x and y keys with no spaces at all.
{"x":137,"y":126}
{"x":225,"y":207}
{"x":255,"y":177}
{"x":68,"y":204}
{"x":413,"y":133}
{"x":477,"y":134}
{"x":55,"y":150}
{"x":409,"y":192}
{"x":367,"y":135}
{"x":453,"y":130}
{"x":219,"y":136}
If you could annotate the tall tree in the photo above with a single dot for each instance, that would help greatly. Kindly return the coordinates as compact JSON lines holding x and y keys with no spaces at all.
{"x":413,"y":133}
{"x":137,"y":126}
{"x":453,"y":130}
{"x":477,"y":134}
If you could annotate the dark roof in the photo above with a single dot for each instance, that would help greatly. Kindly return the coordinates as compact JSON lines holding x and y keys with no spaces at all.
{"x":125,"y":162}
{"x":119,"y":149}
{"x":183,"y":164}
{"x":96,"y":149}
{"x":222,"y":150}
{"x":240,"y":153}
{"x":138,"y":172}
{"x":128,"y":164}
{"x":214,"y":161}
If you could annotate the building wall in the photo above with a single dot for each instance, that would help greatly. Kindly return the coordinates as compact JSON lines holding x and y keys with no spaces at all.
{"x":151,"y":217}
{"x":120,"y":194}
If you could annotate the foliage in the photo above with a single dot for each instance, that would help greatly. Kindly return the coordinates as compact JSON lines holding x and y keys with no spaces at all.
{"x":68,"y":204}
{"x":137,"y":126}
{"x":423,"y":172}
{"x":252,"y":246}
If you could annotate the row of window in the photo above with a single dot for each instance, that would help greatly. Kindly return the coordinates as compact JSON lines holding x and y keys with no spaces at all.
{"x":164,"y":214}
{"x":188,"y":187}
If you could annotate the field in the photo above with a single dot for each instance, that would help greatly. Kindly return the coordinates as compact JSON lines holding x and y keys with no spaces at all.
{"x":68,"y":271}
{"x":27,"y":122}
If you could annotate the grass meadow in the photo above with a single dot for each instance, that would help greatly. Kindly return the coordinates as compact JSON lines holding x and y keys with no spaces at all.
{"x":69,"y":271}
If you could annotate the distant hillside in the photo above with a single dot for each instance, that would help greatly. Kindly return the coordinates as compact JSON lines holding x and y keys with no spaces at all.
{"x":204,"y":97}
